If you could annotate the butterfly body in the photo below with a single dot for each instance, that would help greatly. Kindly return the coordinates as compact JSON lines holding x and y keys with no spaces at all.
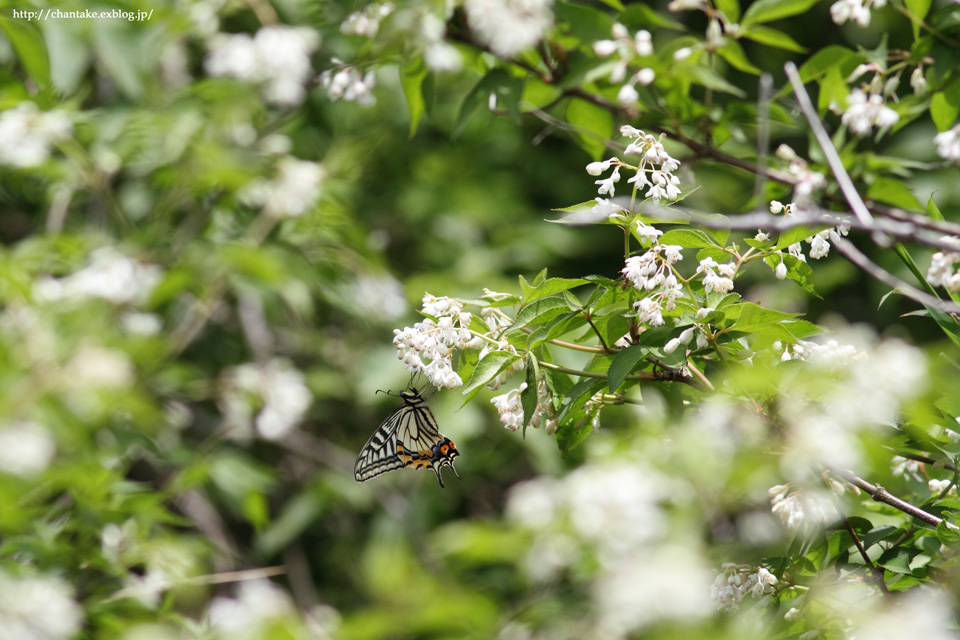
{"x":409,"y":437}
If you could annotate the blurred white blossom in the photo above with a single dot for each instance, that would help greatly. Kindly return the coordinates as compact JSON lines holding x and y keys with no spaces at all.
{"x":293,"y":192}
{"x":856,"y":10}
{"x":110,"y":275}
{"x":250,"y":614}
{"x":277,"y":57}
{"x":277,"y":388}
{"x":38,"y":608}
{"x":95,"y":367}
{"x":26,"y":449}
{"x":509,"y":27}
{"x":26,"y":134}
{"x":866,"y":111}
{"x":948,"y":144}
{"x":941,"y":272}
{"x":733,"y":582}
{"x":918,"y":613}
{"x":366,"y":22}
{"x":350,"y":84}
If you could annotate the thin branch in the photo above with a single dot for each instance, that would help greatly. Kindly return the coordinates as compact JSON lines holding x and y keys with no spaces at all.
{"x":925,"y":459}
{"x":874,"y":569}
{"x":830,"y":152}
{"x":880,"y":494}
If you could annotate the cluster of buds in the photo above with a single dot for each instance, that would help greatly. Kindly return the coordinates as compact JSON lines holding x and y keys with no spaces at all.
{"x":735,"y":581}
{"x":627,"y":48}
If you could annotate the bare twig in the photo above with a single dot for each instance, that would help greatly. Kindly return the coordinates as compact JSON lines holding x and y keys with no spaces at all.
{"x":875,"y":570}
{"x":880,"y":494}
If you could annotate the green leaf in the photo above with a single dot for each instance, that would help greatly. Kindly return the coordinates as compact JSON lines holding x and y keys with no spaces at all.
{"x":624,"y":364}
{"x":772,"y":38}
{"x":119,"y":48}
{"x":541,"y":311}
{"x":486,"y":370}
{"x":28,"y":43}
{"x":880,"y":533}
{"x":833,"y":89}
{"x":587,"y":23}
{"x":945,"y":105}
{"x":797,"y":270}
{"x":592,"y":126}
{"x":762,"y":321}
{"x":829,"y":59}
{"x":919,"y":10}
{"x":69,"y":54}
{"x":497,"y":81}
{"x":898,"y":559}
{"x":933,"y":210}
{"x":548,"y":287}
{"x":770,"y":10}
{"x":796,"y":234}
{"x":891,"y":191}
{"x":948,"y":535}
{"x":733,"y":53}
{"x":703,"y":76}
{"x":528,"y":397}
{"x":730,"y":8}
{"x":412,"y":75}
{"x":639,"y":15}
{"x":688,"y":239}
{"x":612,"y":327}
{"x":569,"y":435}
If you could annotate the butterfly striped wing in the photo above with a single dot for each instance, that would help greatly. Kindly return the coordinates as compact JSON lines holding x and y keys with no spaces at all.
{"x":409,"y":437}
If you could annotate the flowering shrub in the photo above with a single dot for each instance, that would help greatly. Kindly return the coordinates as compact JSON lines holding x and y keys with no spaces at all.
{"x":726,"y":372}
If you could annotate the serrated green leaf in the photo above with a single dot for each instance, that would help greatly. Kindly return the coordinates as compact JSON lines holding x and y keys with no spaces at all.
{"x":797,"y":270}
{"x":898,"y":559}
{"x":770,"y":10}
{"x":486,"y":370}
{"x":891,"y":191}
{"x":548,"y":287}
{"x":612,"y":327}
{"x":623,"y":365}
{"x":541,"y":311}
{"x":794,"y":235}
{"x":688,"y":239}
{"x":772,"y":38}
{"x":880,"y":533}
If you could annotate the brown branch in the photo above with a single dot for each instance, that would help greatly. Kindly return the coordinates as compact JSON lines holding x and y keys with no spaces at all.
{"x":880,"y":494}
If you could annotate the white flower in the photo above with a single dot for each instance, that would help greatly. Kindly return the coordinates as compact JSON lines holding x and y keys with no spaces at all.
{"x":294,"y":191}
{"x":682,"y":54}
{"x":349,"y":84}
{"x":780,"y":271}
{"x":93,"y":367}
{"x":647,"y":233}
{"x":606,"y":185}
{"x":509,"y":408}
{"x":900,"y":466}
{"x":277,"y":388}
{"x":366,"y":23}
{"x":277,"y":57}
{"x":26,"y":134}
{"x":948,"y":143}
{"x":249,"y":615}
{"x":867,"y":111}
{"x":26,"y":449}
{"x":38,"y":608}
{"x":509,"y":27}
{"x":596,"y":168}
{"x":110,"y":275}
{"x":437,"y":54}
{"x":646,"y":76}
{"x":627,"y":95}
{"x":919,"y":613}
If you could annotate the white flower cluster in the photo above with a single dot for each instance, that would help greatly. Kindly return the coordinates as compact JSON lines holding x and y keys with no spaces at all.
{"x":819,"y":242}
{"x":920,"y":613}
{"x":713,"y":281}
{"x":259,"y":608}
{"x":110,"y":275}
{"x":427,"y":347}
{"x":734,"y":581}
{"x":509,"y":27}
{"x":942,"y":271}
{"x":866,"y":111}
{"x":294,"y":191}
{"x":856,"y":10}
{"x":26,"y":449}
{"x":276,"y":57}
{"x":650,"y":272}
{"x":511,"y":414}
{"x":438,"y":55}
{"x":27,"y":133}
{"x":366,"y":22}
{"x":38,"y":608}
{"x":656,"y":161}
{"x":627,"y":48}
{"x":903,"y":467}
{"x":829,"y":355}
{"x":806,"y":180}
{"x":939,"y":486}
{"x":349,"y":84}
{"x":277,"y":387}
{"x":948,"y":144}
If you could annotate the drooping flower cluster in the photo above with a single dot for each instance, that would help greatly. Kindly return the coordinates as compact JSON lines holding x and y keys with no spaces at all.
{"x":819,"y":242}
{"x":806,"y":180}
{"x":26,"y":134}
{"x":277,"y":389}
{"x":654,"y":161}
{"x":865,"y":111}
{"x":903,"y":467}
{"x":948,"y":144}
{"x":427,"y":347}
{"x":942,"y":271}
{"x":293,"y":192}
{"x":366,"y":23}
{"x":627,"y":49}
{"x":509,"y":27}
{"x":735,"y":581}
{"x":856,"y":10}
{"x":650,"y":272}
{"x":277,"y":57}
{"x":713,"y":281}
{"x":510,"y":409}
{"x":348,"y":83}
{"x":110,"y":275}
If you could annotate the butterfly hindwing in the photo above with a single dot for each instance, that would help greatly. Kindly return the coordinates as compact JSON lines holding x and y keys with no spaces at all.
{"x":409,"y":437}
